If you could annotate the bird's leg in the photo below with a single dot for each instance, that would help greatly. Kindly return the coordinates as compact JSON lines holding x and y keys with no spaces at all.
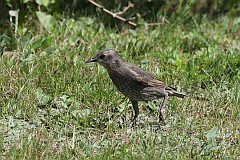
{"x":162,"y":109}
{"x":136,"y":112}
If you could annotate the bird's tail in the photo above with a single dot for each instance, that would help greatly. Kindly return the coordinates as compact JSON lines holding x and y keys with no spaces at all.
{"x":173,"y":92}
{"x":179,"y":94}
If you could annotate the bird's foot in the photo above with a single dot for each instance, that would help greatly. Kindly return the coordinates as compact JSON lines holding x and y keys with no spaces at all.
{"x":132,"y":123}
{"x":161,"y":119}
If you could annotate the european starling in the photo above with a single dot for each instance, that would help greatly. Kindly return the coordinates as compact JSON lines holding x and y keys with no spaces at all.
{"x":134,"y":82}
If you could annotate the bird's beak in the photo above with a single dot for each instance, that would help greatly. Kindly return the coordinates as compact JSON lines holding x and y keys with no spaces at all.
{"x":91,"y":60}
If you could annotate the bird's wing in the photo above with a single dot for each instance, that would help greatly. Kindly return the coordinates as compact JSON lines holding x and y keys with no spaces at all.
{"x":147,"y":79}
{"x":142,"y":77}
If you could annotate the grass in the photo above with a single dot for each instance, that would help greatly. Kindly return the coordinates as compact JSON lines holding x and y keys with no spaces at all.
{"x":54,"y":106}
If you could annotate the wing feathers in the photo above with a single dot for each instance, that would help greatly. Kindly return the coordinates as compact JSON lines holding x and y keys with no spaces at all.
{"x":149,"y":80}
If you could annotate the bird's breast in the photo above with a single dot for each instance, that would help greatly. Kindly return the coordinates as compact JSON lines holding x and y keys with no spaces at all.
{"x":126,"y":85}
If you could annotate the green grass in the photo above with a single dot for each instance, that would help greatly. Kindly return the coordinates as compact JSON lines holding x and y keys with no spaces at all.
{"x":54,"y":106}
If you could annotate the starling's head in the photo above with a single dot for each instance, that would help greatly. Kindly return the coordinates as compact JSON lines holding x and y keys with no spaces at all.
{"x":107,"y":58}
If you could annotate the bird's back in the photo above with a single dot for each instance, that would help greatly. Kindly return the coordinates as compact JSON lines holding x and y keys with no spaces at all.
{"x":138,"y":84}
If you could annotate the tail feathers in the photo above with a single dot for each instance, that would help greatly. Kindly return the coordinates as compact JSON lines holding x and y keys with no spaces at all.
{"x":173,"y":92}
{"x":178,"y":94}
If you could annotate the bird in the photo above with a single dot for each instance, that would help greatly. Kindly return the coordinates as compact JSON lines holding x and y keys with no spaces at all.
{"x":134,"y":82}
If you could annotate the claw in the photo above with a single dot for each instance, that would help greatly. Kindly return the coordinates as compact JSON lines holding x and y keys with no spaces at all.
{"x":162,"y":110}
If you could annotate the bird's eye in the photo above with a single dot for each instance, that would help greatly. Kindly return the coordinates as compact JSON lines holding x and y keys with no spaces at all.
{"x":102,"y":56}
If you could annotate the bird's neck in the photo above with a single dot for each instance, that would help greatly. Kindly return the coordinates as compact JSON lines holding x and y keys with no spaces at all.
{"x":115,"y":65}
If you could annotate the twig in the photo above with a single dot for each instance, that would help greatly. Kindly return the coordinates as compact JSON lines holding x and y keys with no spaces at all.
{"x":130,"y":5}
{"x":114,"y":15}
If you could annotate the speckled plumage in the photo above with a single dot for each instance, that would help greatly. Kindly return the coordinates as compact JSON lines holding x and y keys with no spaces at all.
{"x":134,"y":82}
